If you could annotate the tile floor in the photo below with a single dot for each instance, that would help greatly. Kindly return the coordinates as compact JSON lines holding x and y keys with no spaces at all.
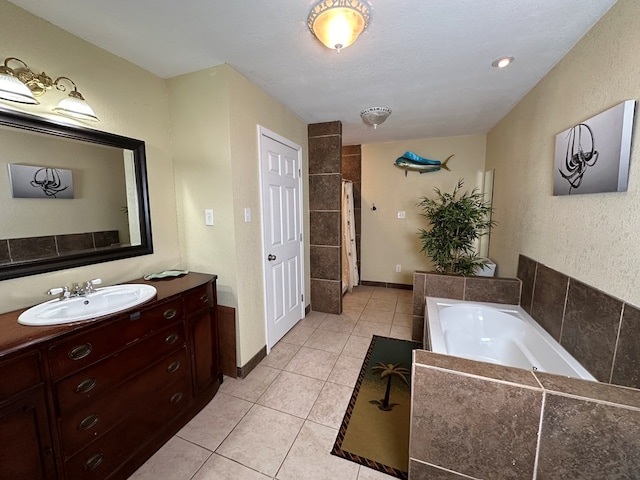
{"x":282,"y":420}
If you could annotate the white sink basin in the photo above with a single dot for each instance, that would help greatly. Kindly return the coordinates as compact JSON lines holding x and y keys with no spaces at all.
{"x":104,"y":301}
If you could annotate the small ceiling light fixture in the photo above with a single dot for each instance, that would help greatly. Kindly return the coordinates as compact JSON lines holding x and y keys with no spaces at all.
{"x":23,"y":85}
{"x":337,"y":23}
{"x":375,"y":115}
{"x":502,"y":62}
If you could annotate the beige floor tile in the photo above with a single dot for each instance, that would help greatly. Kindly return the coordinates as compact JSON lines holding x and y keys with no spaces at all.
{"x":176,"y":460}
{"x":280,"y":355}
{"x":385,"y":293}
{"x":377,"y":316}
{"x":381,"y":304}
{"x":368,"y":329}
{"x":312,"y":320}
{"x":328,"y":341}
{"x":292,"y":393}
{"x":331,"y":405}
{"x":405,"y":296}
{"x":262,"y":439}
{"x":298,"y":335}
{"x":253,"y":386}
{"x":363,"y":289}
{"x":338,"y":323}
{"x":312,"y":363}
{"x":214,"y":422}
{"x":404,"y":307}
{"x":310,"y":459}
{"x":352,"y":313}
{"x":366,"y":473}
{"x":357,"y":347}
{"x":346,"y":371}
{"x":220,"y":468}
{"x":403,"y":333}
{"x":402,"y":320}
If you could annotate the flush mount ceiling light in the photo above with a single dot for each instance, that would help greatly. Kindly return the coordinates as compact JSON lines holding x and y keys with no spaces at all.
{"x":502,"y":62}
{"x":337,"y":23}
{"x":21,"y":84}
{"x":375,"y":115}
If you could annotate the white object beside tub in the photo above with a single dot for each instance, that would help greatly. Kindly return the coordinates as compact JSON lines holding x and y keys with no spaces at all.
{"x":496,"y":333}
{"x":489,"y":270}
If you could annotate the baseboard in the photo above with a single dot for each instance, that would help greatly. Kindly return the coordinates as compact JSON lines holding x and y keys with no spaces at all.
{"x":400,"y":286}
{"x":307,"y":310}
{"x":253,"y":363}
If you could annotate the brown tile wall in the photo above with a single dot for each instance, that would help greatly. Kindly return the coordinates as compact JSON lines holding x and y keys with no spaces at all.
{"x":325,"y":190}
{"x":600,"y":331}
{"x":31,"y":248}
{"x":477,"y":289}
{"x":352,"y":170}
{"x":483,"y":421}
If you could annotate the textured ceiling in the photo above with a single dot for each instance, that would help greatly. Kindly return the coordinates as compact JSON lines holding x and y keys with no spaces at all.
{"x":428,"y":60}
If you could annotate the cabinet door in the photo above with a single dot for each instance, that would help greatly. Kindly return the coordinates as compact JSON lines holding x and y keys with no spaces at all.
{"x":204,"y":348}
{"x":25,"y":439}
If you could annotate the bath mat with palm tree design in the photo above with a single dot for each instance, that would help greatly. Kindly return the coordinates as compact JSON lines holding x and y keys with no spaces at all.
{"x":375,"y":428}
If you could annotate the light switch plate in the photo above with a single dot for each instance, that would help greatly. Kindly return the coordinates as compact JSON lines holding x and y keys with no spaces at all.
{"x":208,"y":217}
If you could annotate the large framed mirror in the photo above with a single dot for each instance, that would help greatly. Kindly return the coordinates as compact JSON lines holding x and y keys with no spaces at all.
{"x":70,"y":196}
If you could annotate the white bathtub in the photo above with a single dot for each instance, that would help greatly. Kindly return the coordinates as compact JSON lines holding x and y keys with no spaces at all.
{"x":495,"y":333}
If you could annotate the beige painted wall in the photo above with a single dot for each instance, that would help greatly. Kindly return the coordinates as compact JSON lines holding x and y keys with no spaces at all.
{"x":214,"y":114}
{"x":388,"y":241}
{"x":129,"y":101}
{"x":593,"y":238}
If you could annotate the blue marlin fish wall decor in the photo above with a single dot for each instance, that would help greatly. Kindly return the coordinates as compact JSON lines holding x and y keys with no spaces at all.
{"x":411,"y":161}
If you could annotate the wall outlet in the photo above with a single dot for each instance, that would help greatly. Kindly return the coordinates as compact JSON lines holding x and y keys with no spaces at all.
{"x":247,"y":215}
{"x":208,"y":217}
{"x":401,"y":214}
{"x":398,"y":268}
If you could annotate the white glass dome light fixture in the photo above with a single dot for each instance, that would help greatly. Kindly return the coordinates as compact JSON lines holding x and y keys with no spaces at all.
{"x":338,"y":23}
{"x":74,"y":105}
{"x":23,"y":85}
{"x":375,"y":115}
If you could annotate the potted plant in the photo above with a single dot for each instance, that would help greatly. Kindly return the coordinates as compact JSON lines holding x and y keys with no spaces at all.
{"x":456,"y":221}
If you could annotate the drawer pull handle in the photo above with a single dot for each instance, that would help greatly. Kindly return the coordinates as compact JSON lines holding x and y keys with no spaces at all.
{"x":204,"y":298}
{"x":88,"y":422}
{"x":170,"y":313}
{"x":94,"y":462}
{"x":173,"y":367}
{"x":175,"y":398}
{"x":86,"y":385}
{"x":171,"y":339}
{"x":80,"y":351}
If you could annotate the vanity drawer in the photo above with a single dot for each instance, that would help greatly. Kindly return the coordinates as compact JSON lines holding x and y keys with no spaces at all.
{"x":102,"y":457}
{"x":86,"y":348}
{"x":98,"y":379}
{"x":84,"y":425}
{"x":199,"y":298}
{"x":18,"y":374}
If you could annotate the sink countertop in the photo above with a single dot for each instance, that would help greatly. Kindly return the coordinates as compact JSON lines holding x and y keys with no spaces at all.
{"x":14,"y":336}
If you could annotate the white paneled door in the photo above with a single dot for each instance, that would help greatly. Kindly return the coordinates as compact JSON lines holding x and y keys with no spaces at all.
{"x":282,"y":233}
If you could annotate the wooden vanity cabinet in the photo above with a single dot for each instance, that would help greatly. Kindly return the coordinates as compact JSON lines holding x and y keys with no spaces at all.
{"x":118,"y":388}
{"x":25,"y":438}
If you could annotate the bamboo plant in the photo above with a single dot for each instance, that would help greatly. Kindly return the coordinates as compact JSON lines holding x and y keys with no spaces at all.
{"x":456,"y":221}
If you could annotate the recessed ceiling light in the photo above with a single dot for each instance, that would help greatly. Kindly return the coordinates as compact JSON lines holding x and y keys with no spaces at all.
{"x":502,"y":62}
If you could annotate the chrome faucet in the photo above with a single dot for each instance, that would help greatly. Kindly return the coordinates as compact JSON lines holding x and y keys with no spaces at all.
{"x":76,"y":290}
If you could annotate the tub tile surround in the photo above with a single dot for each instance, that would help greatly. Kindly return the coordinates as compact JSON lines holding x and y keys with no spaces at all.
{"x":495,"y":415}
{"x":477,"y":289}
{"x":600,"y":331}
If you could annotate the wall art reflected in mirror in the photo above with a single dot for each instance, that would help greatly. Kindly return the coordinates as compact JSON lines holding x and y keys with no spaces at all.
{"x":71,"y":196}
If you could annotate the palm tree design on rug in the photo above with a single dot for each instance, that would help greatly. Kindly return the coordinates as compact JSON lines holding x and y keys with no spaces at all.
{"x":389,"y":370}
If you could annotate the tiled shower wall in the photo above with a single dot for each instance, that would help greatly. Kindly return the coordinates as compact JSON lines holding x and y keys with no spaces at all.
{"x":325,"y":236}
{"x":473,"y":420}
{"x":600,"y":331}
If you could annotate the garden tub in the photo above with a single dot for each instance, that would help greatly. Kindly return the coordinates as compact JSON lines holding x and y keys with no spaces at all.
{"x":496,"y":333}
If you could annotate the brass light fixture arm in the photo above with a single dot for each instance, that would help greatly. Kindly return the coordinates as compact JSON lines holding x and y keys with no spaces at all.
{"x":75,"y":93}
{"x":38,"y":83}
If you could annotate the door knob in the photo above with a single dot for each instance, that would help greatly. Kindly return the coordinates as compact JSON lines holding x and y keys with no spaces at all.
{"x":271,"y":257}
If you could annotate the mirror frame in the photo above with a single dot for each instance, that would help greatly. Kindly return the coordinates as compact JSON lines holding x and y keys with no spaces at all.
{"x":35,"y":124}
